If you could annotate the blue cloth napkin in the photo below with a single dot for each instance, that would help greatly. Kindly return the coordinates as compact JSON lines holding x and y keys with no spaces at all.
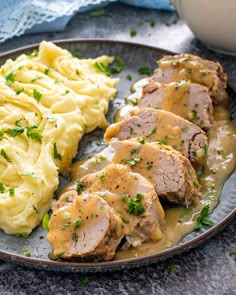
{"x":33,"y":16}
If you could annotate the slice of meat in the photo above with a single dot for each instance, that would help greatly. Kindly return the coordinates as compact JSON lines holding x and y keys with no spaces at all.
{"x":168,"y":170}
{"x":197,"y":70}
{"x":84,"y":227}
{"x":190,"y":101}
{"x":132,"y":197}
{"x":164,"y":127}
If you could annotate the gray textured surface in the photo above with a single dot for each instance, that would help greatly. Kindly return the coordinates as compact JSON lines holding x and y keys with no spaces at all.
{"x":209,"y":269}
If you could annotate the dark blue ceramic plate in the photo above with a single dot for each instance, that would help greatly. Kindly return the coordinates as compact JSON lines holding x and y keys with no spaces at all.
{"x":135,"y":56}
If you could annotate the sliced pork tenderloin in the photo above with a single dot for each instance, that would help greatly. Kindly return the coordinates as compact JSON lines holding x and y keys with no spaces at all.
{"x":163,"y":127}
{"x":168,"y":170}
{"x":195,"y":69}
{"x":190,"y":101}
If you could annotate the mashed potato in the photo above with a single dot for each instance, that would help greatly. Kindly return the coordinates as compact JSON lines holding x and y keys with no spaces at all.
{"x":47,"y":102}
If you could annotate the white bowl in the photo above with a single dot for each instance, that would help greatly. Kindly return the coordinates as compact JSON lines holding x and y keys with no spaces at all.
{"x":212,"y":21}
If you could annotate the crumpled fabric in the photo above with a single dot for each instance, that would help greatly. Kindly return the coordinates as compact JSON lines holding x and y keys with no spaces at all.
{"x":33,"y":16}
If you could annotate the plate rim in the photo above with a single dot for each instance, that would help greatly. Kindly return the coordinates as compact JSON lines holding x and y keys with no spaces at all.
{"x":113,"y":264}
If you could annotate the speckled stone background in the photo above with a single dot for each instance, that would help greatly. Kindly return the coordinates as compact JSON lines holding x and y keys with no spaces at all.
{"x":208,"y":269}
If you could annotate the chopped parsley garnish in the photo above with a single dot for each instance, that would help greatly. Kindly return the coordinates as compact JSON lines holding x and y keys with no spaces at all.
{"x":126,"y":221}
{"x":45,"y":221}
{"x":100,"y":12}
{"x":46,"y":71}
{"x":179,"y":84}
{"x":120,"y":65}
{"x":55,"y":152}
{"x":18,"y":91}
{"x":220,"y":151}
{"x":141,"y":140}
{"x":1,"y":134}
{"x":134,"y":206}
{"x":74,"y":236}
{"x":78,"y":53}
{"x":172,"y":267}
{"x":22,"y":235}
{"x":101,"y":67}
{"x":203,"y":219}
{"x":59,"y":255}
{"x":144,"y":71}
{"x":152,"y":23}
{"x":129,"y":77}
{"x":134,"y":101}
{"x":15,"y":131}
{"x":132,"y":32}
{"x":79,"y":187}
{"x":37,"y":95}
{"x":36,"y":209}
{"x":66,"y":92}
{"x":10,"y":78}
{"x":135,"y":151}
{"x":84,"y":282}
{"x":149,"y":165}
{"x":205,"y":149}
{"x":34,"y":53}
{"x":33,"y":133}
{"x":2,"y":188}
{"x":35,"y":79}
{"x":195,"y":115}
{"x":77,"y":72}
{"x":11,"y":192}
{"x":102,"y":177}
{"x":185,"y":128}
{"x":77,"y":223}
{"x":5,"y":156}
{"x":134,"y":161}
{"x":232,"y":253}
{"x":26,"y":251}
{"x":152,"y":131}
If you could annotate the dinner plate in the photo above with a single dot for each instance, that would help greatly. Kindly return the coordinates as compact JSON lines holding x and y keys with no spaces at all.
{"x":135,"y":56}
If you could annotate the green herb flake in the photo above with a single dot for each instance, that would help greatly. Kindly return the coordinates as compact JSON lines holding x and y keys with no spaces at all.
{"x":135,"y":151}
{"x":80,"y":187}
{"x":151,"y":132}
{"x":172,"y":267}
{"x":141,"y":140}
{"x":152,"y":23}
{"x":15,"y":131}
{"x":84,"y":282}
{"x":34,"y":53}
{"x":77,"y":53}
{"x":2,"y":188}
{"x":74,"y":236}
{"x":134,"y":101}
{"x":135,"y":206}
{"x":11,"y":192}
{"x":232,"y":253}
{"x":55,"y":152}
{"x":132,"y":32}
{"x":18,"y":91}
{"x":22,"y":235}
{"x":66,"y":92}
{"x":36,"y":210}
{"x":77,"y":223}
{"x":10,"y":79}
{"x":26,"y":251}
{"x":129,"y":77}
{"x":133,"y":162}
{"x":185,"y":128}
{"x":5,"y":156}
{"x":100,"y":12}
{"x":144,"y":71}
{"x":179,"y":84}
{"x":203,"y":219}
{"x":37,"y":95}
{"x":220,"y":151}
{"x":102,"y":68}
{"x":115,"y":69}
{"x":2,"y":132}
{"x":45,"y":221}
{"x":126,"y":221}
{"x":59,"y":255}
{"x":36,"y":79}
{"x":33,"y":133}
{"x":77,"y":72}
{"x":103,"y":177}
{"x":46,"y":71}
{"x":149,"y":165}
{"x":205,"y":149}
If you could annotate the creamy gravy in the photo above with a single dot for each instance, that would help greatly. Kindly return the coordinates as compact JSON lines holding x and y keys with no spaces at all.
{"x":179,"y":221}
